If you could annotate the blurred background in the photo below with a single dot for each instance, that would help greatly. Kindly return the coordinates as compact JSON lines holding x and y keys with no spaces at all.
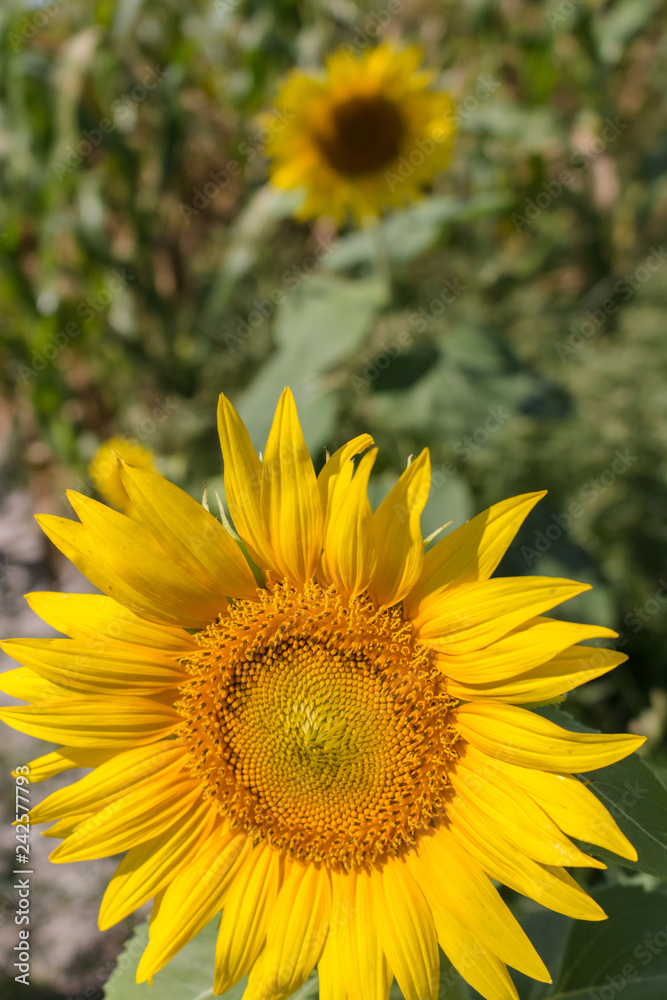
{"x":516,"y":326}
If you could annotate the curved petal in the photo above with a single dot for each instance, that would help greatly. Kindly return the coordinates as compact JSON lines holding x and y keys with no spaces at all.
{"x":296,"y":931}
{"x":133,"y":552}
{"x":397,"y":532}
{"x":125,"y":565}
{"x":454,"y":882}
{"x":147,"y":868}
{"x":355,"y":938}
{"x":139,"y":815}
{"x":326,"y":480}
{"x":110,"y":780}
{"x":93,"y":722}
{"x":407,"y":931}
{"x":478,"y":965}
{"x":531,"y":644}
{"x":89,"y":668}
{"x":243,"y":483}
{"x":518,"y":817}
{"x":189,"y":535}
{"x":477,"y":614}
{"x":67,"y":758}
{"x":569,"y":801}
{"x":571,"y":668}
{"x":174,"y":920}
{"x":242,"y":931}
{"x":291,"y":506}
{"x":348,"y":553}
{"x":550,"y":886}
{"x":100,"y":619}
{"x":521,"y":737}
{"x":470,"y":553}
{"x":28,"y":685}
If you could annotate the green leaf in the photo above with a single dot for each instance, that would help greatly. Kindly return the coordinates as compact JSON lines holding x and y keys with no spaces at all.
{"x":409,"y":233}
{"x":637,"y":800}
{"x":614,"y":29}
{"x":317,"y":325}
{"x":189,"y":975}
{"x":626,"y":954}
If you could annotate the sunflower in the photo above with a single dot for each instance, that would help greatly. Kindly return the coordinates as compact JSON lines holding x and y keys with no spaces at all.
{"x":104,"y":474}
{"x":366,"y":135}
{"x":337,"y":761}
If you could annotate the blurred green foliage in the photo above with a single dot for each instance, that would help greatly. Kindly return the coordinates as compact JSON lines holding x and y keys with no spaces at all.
{"x":513,"y":321}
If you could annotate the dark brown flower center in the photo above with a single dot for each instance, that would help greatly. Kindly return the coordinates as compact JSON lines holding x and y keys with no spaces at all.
{"x":363,"y":135}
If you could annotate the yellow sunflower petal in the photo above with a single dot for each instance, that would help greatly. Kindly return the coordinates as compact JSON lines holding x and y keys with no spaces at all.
{"x":109,"y":780}
{"x":568,"y":670}
{"x":296,"y":931}
{"x":147,"y":868}
{"x":137,"y":816}
{"x":89,"y":668}
{"x":27,"y":684}
{"x":51,"y":764}
{"x":348,"y":546}
{"x":477,"y":614}
{"x":531,"y":644}
{"x":132,"y":552}
{"x":354,"y":934}
{"x":191,"y":536}
{"x":326,"y":480}
{"x":407,"y":931}
{"x":470,"y":553}
{"x":148,"y":597}
{"x":397,"y":533}
{"x":548,"y":885}
{"x":478,"y":965}
{"x":330,"y":974}
{"x":570,"y":802}
{"x":90,"y":722}
{"x":454,"y":882}
{"x":174,"y":920}
{"x":518,"y":817}
{"x":101,"y":619}
{"x":242,"y":931}
{"x":243,"y":483}
{"x":522,"y":737}
{"x":291,"y":506}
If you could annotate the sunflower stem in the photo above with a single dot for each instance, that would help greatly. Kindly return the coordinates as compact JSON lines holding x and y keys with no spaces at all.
{"x":381,"y":259}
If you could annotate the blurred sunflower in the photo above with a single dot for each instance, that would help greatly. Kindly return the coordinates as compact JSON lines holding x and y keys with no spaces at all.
{"x":105,"y":475}
{"x":338,"y":760}
{"x":366,"y":135}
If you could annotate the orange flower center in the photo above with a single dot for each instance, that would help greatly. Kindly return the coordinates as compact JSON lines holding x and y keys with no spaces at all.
{"x":321,"y":725}
{"x":362,"y":135}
